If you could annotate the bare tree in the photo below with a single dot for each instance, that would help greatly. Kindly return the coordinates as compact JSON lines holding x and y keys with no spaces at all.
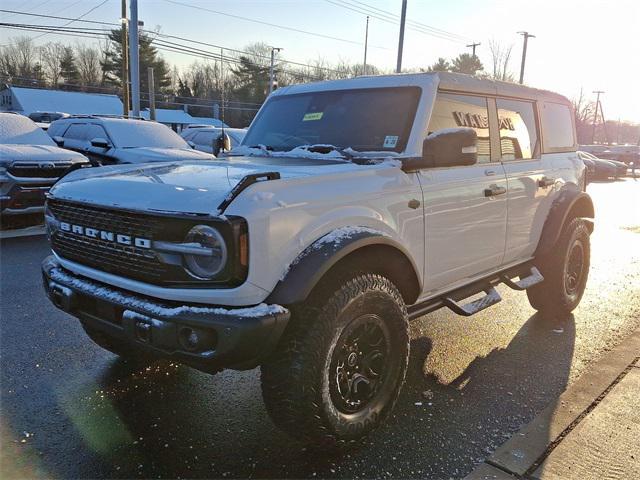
{"x":500,"y":56}
{"x":88,"y":62}
{"x":52,"y":55}
{"x":18,"y":59}
{"x":584,"y":110}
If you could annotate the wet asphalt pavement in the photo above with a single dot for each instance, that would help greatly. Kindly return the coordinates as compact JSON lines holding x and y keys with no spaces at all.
{"x":70,"y":409}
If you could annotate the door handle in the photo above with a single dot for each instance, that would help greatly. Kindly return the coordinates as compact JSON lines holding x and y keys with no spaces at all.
{"x":488,"y":172}
{"x":494,"y":190}
{"x":546,"y":182}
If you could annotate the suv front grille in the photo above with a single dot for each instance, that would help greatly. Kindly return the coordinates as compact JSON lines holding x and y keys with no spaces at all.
{"x":38,"y":170}
{"x":112,"y":257}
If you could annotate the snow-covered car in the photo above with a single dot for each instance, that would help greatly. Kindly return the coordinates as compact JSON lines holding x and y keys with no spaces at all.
{"x":208,"y":139}
{"x":112,"y":140}
{"x":352,"y":207}
{"x":599,"y":168}
{"x":30,"y":162}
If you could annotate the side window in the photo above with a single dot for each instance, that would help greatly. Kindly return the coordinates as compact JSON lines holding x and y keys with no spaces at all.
{"x":454,"y":111}
{"x":557,"y":127}
{"x":519,"y":137}
{"x":204,"y":138}
{"x":96,"y":131}
{"x":77,"y":131}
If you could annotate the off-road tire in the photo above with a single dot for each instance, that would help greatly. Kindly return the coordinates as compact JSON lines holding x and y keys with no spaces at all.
{"x":556,"y":294}
{"x":117,"y":348}
{"x":297,"y":379}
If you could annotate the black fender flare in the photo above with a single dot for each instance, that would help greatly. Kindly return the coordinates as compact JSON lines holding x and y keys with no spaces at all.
{"x":317,"y":259}
{"x":572,"y":202}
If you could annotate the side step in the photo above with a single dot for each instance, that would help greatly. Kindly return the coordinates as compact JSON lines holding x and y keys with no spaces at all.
{"x":491,"y":298}
{"x":530,"y":280}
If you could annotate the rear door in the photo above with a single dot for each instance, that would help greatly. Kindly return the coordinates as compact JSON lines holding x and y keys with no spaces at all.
{"x":530,"y":177}
{"x":465,"y":207}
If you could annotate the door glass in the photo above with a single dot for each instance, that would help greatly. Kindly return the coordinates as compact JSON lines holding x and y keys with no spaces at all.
{"x":76,"y":131}
{"x":455,"y":111}
{"x":518,"y":131}
{"x":96,"y":131}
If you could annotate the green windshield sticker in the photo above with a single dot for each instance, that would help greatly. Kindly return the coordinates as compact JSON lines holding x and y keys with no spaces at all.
{"x":312,"y":116}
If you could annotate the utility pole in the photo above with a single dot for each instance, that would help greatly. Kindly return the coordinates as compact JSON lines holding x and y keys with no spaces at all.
{"x":526,"y":36}
{"x":403,"y":18}
{"x":125,"y":62}
{"x":595,"y":116}
{"x":135,"y":59}
{"x":473,"y":46}
{"x":152,"y":94}
{"x":366,"y":40}
{"x":271,"y":72}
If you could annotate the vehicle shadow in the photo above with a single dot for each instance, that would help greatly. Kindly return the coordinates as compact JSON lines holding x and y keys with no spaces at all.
{"x":183,"y":423}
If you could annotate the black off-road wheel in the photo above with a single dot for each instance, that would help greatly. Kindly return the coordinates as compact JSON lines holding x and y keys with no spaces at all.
{"x":339,"y":368}
{"x":565,"y":270}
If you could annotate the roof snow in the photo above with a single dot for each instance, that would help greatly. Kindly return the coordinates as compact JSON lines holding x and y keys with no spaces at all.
{"x":75,"y":103}
{"x":168,"y":116}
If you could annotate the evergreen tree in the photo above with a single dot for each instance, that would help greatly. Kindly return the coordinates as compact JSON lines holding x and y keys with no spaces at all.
{"x":148,"y":57}
{"x":68,"y":68}
{"x":442,"y":65}
{"x":466,"y":63}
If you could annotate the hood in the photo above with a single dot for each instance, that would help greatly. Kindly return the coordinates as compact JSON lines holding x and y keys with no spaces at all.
{"x":37,"y":153}
{"x":151,"y":154}
{"x":181,"y":187}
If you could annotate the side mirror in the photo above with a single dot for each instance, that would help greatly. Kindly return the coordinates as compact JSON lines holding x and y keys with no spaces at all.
{"x":222,"y":143}
{"x":450,"y":147}
{"x":59,"y":140}
{"x":100,"y":142}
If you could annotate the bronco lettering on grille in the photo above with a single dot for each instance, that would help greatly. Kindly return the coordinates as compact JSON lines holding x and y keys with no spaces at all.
{"x":105,"y":235}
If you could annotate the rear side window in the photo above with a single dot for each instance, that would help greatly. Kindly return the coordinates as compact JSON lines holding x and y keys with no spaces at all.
{"x":454,"y":111}
{"x":518,"y":130}
{"x":557,"y":127}
{"x":77,"y":131}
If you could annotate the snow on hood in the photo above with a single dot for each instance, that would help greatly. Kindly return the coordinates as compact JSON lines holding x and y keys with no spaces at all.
{"x":153,"y":154}
{"x":184,"y":187}
{"x":37,"y":153}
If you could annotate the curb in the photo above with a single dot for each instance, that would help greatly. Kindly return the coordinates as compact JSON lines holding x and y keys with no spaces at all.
{"x":521,"y":455}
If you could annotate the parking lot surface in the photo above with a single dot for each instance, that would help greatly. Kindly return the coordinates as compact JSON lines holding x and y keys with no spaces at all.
{"x":73,"y":410}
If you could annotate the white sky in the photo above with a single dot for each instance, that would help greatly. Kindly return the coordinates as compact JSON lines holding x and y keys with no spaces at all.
{"x":589,"y":44}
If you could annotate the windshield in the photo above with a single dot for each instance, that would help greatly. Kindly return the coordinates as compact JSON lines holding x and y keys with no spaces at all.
{"x":366,"y":120}
{"x":16,"y":129}
{"x":134,"y":134}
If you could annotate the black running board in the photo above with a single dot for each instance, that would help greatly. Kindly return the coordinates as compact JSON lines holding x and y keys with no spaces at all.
{"x":527,"y":275}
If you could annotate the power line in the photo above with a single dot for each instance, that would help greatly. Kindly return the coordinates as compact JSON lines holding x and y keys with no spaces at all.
{"x":76,"y":19}
{"x":261,"y":22}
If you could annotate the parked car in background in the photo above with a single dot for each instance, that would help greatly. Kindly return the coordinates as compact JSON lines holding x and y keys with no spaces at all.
{"x":30,"y":162}
{"x":204,"y":138}
{"x":602,"y":169}
{"x":47,"y":117}
{"x":112,"y":140}
{"x":620,"y":153}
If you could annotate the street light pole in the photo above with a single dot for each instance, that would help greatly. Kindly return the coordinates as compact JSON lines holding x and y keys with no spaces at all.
{"x":526,"y":36}
{"x":125,"y":62}
{"x":135,"y":59}
{"x":595,"y":115}
{"x":403,"y":18}
{"x":366,"y":40}
{"x":271,"y":72}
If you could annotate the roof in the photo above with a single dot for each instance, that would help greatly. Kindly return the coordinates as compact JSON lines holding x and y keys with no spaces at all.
{"x":165,"y":115}
{"x":43,"y":100}
{"x":444,"y":80}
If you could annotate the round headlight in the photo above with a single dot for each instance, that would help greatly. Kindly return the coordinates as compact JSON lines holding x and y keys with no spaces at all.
{"x":211,"y":260}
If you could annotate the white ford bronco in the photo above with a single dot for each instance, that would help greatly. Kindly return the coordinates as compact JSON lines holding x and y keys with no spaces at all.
{"x":351,"y":207}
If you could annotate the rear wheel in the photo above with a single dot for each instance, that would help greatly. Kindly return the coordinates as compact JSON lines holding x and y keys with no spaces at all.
{"x":565,"y":271}
{"x":339,"y":368}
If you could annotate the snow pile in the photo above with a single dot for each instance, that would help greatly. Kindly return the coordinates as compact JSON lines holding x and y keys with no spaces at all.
{"x":17,"y":129}
{"x":155,"y":309}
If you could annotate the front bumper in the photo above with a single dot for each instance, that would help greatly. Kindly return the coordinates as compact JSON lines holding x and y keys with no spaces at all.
{"x":238,"y":338}
{"x":24,"y":198}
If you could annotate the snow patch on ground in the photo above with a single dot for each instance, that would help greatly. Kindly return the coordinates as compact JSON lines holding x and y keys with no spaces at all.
{"x":156,"y":309}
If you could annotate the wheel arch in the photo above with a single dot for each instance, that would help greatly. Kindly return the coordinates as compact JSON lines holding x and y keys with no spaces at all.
{"x":571,"y":203}
{"x":333,"y":256}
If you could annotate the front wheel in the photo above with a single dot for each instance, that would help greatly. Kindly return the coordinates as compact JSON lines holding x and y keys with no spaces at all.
{"x":338,"y":370}
{"x":565,"y":271}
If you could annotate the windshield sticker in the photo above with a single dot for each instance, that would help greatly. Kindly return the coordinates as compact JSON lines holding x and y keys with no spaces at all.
{"x":390,"y":141}
{"x":312,"y":116}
